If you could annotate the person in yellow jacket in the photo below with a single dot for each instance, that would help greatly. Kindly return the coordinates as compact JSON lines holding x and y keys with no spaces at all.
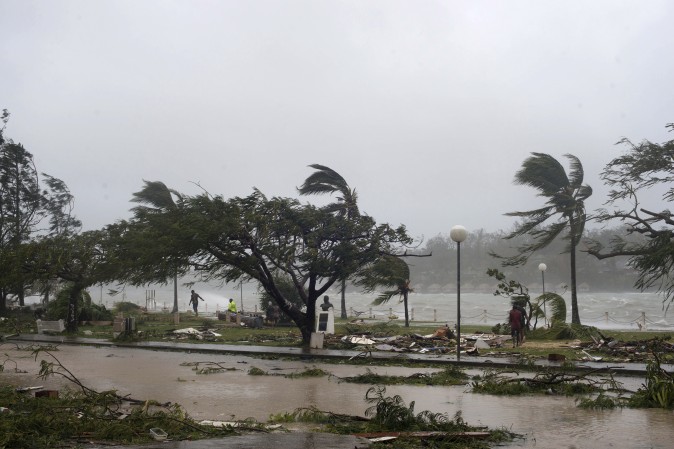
{"x":231,"y":307}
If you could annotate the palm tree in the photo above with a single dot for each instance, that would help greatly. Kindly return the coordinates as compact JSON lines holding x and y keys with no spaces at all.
{"x":565,"y":205}
{"x":326,"y":180}
{"x":390,"y":272}
{"x":156,"y":198}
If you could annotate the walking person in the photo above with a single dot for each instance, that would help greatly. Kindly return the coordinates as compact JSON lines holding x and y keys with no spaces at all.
{"x":515,"y":321}
{"x":194,"y":301}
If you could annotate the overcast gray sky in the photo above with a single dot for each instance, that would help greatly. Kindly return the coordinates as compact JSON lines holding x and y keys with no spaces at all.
{"x":427,"y":108}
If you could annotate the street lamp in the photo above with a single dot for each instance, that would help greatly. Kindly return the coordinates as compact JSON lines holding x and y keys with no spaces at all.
{"x":458,"y":233}
{"x":241,"y":287}
{"x":543,"y":267}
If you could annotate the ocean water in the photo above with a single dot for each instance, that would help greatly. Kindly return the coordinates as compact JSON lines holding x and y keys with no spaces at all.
{"x":628,"y":310}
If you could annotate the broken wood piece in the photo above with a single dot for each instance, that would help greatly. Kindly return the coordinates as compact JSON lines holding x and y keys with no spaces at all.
{"x":556,"y":357}
{"x":426,"y":435}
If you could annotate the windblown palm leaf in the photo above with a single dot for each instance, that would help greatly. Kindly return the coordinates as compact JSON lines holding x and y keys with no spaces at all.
{"x":557,"y":306}
{"x":326,"y":180}
{"x":390,"y":273}
{"x":155,"y":197}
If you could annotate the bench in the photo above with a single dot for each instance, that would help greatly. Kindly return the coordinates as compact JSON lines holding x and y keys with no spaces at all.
{"x":50,"y":326}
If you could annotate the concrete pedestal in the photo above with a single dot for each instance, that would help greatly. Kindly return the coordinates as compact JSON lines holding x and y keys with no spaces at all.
{"x":316,"y":341}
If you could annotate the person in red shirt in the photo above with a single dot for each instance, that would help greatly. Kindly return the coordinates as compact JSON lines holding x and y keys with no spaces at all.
{"x":515,"y":321}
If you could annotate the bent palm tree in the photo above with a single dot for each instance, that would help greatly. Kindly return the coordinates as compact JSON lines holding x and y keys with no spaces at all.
{"x":156,"y":198}
{"x":565,"y":204}
{"x":389,"y":272}
{"x":326,"y":180}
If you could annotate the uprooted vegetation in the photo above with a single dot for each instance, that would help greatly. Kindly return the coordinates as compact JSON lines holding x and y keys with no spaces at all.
{"x":448,"y":376}
{"x":596,"y":388}
{"x":657,"y":391}
{"x":73,"y":416}
{"x":390,"y":418}
{"x":547,"y":381}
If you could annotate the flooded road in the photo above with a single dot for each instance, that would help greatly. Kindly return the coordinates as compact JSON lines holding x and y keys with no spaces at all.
{"x":546,"y":421}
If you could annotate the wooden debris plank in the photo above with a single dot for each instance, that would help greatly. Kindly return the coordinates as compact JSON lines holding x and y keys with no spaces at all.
{"x":435,"y":434}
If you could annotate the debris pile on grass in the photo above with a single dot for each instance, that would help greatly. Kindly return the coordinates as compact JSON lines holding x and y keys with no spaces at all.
{"x":626,"y":351}
{"x":442,"y":341}
{"x":196,"y":334}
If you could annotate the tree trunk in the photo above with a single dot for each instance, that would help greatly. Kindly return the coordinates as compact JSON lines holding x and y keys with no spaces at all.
{"x":343,"y":314}
{"x":306,"y":322}
{"x":71,"y":317}
{"x":407,"y":317}
{"x":575,"y":316}
{"x":175,"y":292}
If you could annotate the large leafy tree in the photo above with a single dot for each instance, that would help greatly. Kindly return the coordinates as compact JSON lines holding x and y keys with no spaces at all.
{"x":20,"y":212}
{"x":563,"y":214}
{"x":262,"y":239}
{"x":78,"y":261}
{"x":644,"y":166}
{"x":62,"y":225}
{"x":327,"y":181}
{"x":28,"y":207}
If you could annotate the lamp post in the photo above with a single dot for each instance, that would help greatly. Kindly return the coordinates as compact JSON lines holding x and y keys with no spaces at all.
{"x":241,"y":287}
{"x":458,"y":233}
{"x":542,"y":267}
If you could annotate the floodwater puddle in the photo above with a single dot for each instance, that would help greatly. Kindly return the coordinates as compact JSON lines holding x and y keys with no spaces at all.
{"x":545,"y":421}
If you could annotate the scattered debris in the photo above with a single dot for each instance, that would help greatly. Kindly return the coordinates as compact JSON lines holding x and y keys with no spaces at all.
{"x":626,"y":351}
{"x":190,"y":332}
{"x":556,"y":357}
{"x":25,"y":389}
{"x":47,"y":394}
{"x":158,"y":434}
{"x":591,"y":357}
{"x":437,"y":342}
{"x":358,"y":340}
{"x":443,"y":332}
{"x":388,"y":436}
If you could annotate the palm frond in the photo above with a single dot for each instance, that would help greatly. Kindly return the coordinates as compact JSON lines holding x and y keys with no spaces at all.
{"x":543,"y":172}
{"x":327,"y":181}
{"x":577,"y":173}
{"x":154,"y":195}
{"x":557,"y":306}
{"x":324,"y":180}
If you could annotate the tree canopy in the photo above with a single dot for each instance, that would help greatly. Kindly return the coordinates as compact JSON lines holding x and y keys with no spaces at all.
{"x":29,"y":208}
{"x":260,"y":238}
{"x":644,"y":166}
